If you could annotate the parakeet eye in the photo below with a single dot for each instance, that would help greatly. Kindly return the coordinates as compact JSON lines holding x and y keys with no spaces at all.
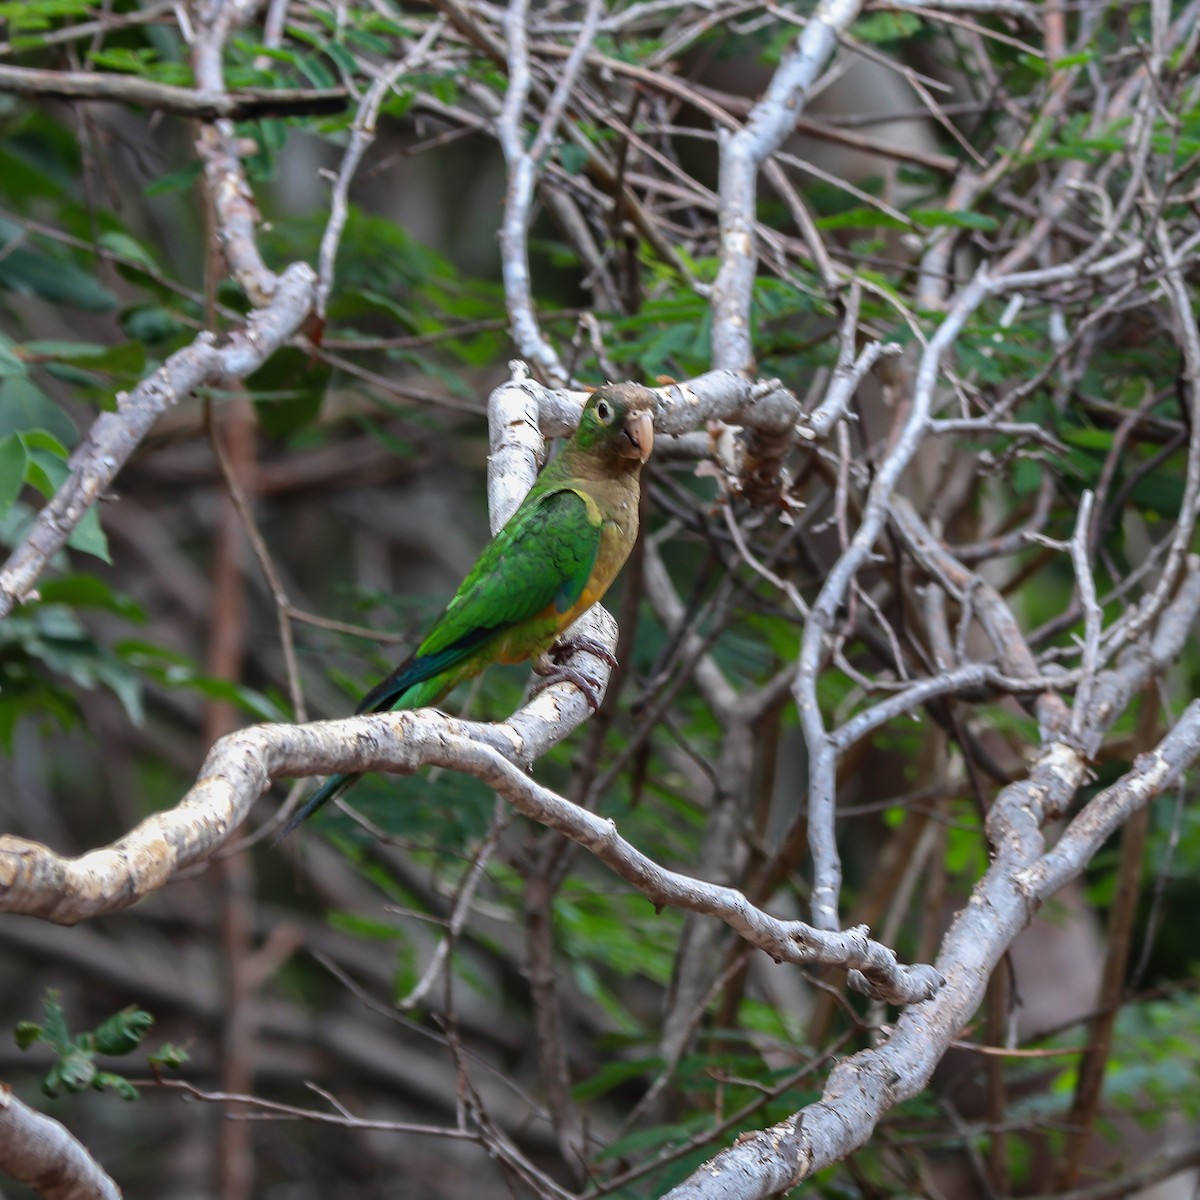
{"x":603,"y":411}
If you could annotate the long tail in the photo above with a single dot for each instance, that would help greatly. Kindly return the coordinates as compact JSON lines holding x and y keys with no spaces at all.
{"x":335,"y":785}
{"x":419,"y":680}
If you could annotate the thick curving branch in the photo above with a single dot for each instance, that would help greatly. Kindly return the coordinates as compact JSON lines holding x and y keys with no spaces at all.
{"x":862,"y":1088}
{"x":523,"y":411}
{"x":1021,"y":877}
{"x":41,"y":1153}
{"x":241,"y":766}
{"x":1109,"y":809}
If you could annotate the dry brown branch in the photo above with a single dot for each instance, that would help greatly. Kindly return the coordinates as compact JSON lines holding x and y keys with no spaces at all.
{"x":243,"y":105}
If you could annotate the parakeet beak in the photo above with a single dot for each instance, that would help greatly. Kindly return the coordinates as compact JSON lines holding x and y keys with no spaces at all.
{"x":639,"y":435}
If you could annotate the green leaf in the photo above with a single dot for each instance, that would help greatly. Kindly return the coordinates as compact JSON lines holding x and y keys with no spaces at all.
{"x":76,"y":1070}
{"x":48,"y":348}
{"x":1160,"y":493}
{"x":28,"y":273}
{"x":24,"y":406}
{"x":445,"y":88}
{"x":12,"y":470}
{"x":364,"y":927}
{"x":398,"y":103}
{"x":27,"y":15}
{"x":1075,"y":60}
{"x":362,"y":300}
{"x":954,"y":219}
{"x":782,"y":634}
{"x":126,"y":59}
{"x":10,"y":364}
{"x":87,"y":591}
{"x":123,"y":1032}
{"x":174,"y":181}
{"x":44,"y":447}
{"x":368,"y":41}
{"x":614,"y":1074}
{"x":315,"y":71}
{"x":149,"y":323}
{"x":381,"y":23}
{"x":54,"y":1032}
{"x":288,"y":390}
{"x":252,"y":48}
{"x":573,"y":158}
{"x":886,"y":26}
{"x":654,"y":1136}
{"x":27,"y":1034}
{"x":124,"y":358}
{"x":123,"y":684}
{"x":344,"y":59}
{"x":1089,"y":439}
{"x":129,"y":249}
{"x":1027,"y":477}
{"x":89,"y":538}
{"x":107,"y":1081}
{"x":46,"y":470}
{"x":178,"y":671}
{"x":863,"y":217}
{"x":168,"y":1055}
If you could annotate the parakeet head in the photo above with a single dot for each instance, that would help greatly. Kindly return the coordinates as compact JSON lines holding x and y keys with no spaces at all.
{"x":617,"y":425}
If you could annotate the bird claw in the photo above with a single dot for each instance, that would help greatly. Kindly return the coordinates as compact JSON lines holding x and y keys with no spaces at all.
{"x":553,"y":673}
{"x":561,"y":650}
{"x":553,"y":670}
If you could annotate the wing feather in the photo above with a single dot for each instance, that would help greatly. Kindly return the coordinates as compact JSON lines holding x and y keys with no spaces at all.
{"x":542,"y":558}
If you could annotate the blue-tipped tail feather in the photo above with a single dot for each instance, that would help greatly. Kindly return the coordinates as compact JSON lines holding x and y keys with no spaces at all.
{"x":335,"y":785}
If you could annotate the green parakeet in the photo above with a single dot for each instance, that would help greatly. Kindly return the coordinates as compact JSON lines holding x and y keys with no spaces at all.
{"x":553,"y":559}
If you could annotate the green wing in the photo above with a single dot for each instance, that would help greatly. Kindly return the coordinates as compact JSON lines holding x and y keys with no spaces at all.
{"x":541,"y":560}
